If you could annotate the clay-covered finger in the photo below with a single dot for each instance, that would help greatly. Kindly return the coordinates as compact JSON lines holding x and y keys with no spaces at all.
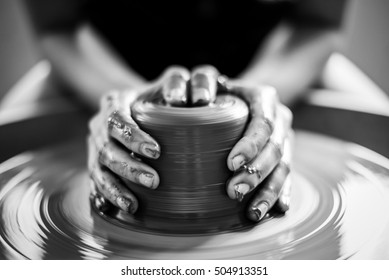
{"x":113,"y":189}
{"x":203,"y":85}
{"x":126,"y":131}
{"x":274,"y":149}
{"x":268,"y":193}
{"x":263,"y":110}
{"x":247,"y":149}
{"x":254,"y":172}
{"x":125,"y":165}
{"x":174,"y":86}
{"x":123,"y":128}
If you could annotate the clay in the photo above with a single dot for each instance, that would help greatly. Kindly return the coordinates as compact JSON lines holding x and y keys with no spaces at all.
{"x":195,"y":143}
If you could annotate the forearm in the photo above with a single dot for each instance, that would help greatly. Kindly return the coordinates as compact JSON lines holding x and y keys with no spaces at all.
{"x":292,"y":59}
{"x":87,"y":65}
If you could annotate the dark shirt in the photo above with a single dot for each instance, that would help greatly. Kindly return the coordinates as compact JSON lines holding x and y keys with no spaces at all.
{"x":151,"y":35}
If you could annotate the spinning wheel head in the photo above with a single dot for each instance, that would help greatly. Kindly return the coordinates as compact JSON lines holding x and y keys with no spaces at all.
{"x":44,"y":199}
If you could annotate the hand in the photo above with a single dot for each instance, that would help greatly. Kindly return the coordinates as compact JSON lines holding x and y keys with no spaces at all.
{"x":115,"y":140}
{"x":261,"y":158}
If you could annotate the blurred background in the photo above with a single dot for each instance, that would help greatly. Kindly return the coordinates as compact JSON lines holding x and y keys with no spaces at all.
{"x":367,"y":41}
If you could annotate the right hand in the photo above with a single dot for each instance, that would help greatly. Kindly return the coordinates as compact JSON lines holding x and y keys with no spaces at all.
{"x":115,"y":140}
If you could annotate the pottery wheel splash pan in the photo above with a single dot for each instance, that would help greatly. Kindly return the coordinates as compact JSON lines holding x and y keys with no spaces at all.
{"x":339,"y":209}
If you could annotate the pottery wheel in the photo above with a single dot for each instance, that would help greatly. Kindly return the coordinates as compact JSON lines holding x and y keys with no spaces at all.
{"x":339,"y":209}
{"x":339,"y":200}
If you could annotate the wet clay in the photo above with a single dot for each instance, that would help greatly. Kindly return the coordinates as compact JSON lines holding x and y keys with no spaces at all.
{"x":195,"y":143}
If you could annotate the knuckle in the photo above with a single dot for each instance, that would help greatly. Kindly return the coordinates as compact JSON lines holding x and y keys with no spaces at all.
{"x":122,"y":168}
{"x":127,"y":133}
{"x":252,"y":143}
{"x":206,"y":69}
{"x":268,"y":124}
{"x":271,"y":193}
{"x":108,"y":99}
{"x":111,"y":95}
{"x":103,"y":152}
{"x":114,"y":120}
{"x":118,"y":125}
{"x":285,"y":167}
{"x":277,"y":148}
{"x":287,"y":114}
{"x":273,"y":189}
{"x":263,"y":125}
{"x":176,"y":70}
{"x":270,"y":91}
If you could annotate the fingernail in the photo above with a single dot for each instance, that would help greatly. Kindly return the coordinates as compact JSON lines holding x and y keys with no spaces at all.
{"x":125,"y":204}
{"x":200,"y":96}
{"x":150,"y":150}
{"x":178,"y":95}
{"x":256,"y":213}
{"x":146,"y":179}
{"x":238,"y":161}
{"x":241,"y":190}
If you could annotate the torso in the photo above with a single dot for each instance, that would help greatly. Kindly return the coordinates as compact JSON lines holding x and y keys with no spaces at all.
{"x":152,"y":35}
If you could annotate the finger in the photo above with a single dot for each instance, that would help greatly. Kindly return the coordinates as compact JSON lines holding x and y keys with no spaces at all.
{"x":124,"y":129}
{"x":257,"y":170}
{"x":283,"y":202}
{"x":126,"y":201}
{"x":113,"y":189}
{"x":203,"y":85}
{"x":267,"y":196}
{"x":250,"y":177}
{"x":263,"y":109}
{"x":123,"y":164}
{"x":174,"y":86}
